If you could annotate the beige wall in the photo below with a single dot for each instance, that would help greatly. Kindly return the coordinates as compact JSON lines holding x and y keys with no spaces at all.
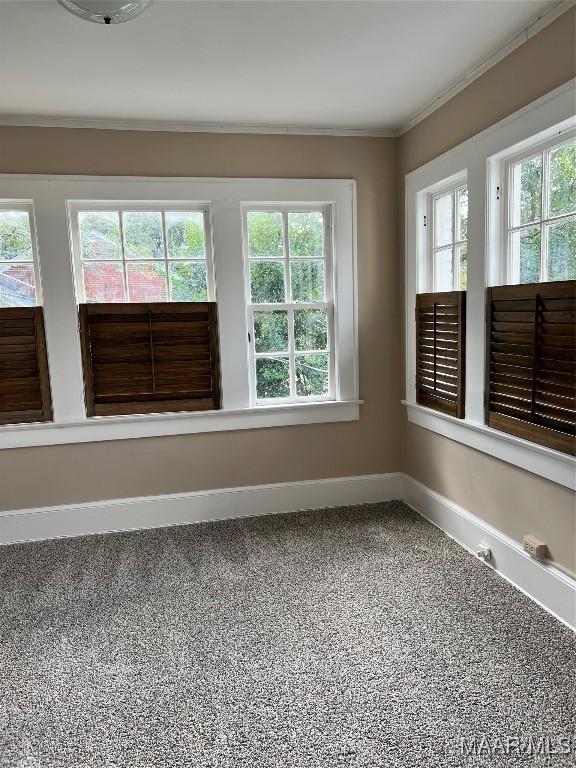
{"x":73,"y":473}
{"x":512,"y":500}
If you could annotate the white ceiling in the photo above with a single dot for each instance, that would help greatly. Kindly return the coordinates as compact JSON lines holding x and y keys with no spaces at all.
{"x":347,"y":64}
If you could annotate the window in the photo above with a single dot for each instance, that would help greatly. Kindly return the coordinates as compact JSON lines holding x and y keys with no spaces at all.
{"x":140,"y":254}
{"x":517,"y":382}
{"x":18,"y":270}
{"x":289,"y":272}
{"x":449,"y":232}
{"x":139,"y":333}
{"x":541,"y":216}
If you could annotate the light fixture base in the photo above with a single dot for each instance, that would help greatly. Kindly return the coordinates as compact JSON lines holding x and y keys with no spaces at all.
{"x":106,"y":11}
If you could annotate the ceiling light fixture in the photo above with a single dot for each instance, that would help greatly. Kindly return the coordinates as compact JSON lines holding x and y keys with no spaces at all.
{"x":106,"y":11}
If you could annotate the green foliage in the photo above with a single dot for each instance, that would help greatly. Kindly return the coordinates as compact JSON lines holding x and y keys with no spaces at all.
{"x":271,"y":331}
{"x":15,"y":240}
{"x":306,"y":234}
{"x":463,"y":212}
{"x":188,"y":281}
{"x":529,"y":255}
{"x":272,"y":377}
{"x":307,"y":278}
{"x":267,"y":282}
{"x":265,"y":234}
{"x":100,"y":235}
{"x":185,"y":235}
{"x":310,"y":329}
{"x":530,"y":190}
{"x":143,"y":235}
{"x":561,"y":253}
{"x":563,"y":180}
{"x":463,"y":256}
{"x":311,"y":375}
{"x":562,"y":250}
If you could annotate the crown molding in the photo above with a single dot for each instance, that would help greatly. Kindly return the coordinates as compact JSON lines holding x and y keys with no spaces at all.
{"x":183,"y":126}
{"x":519,"y":39}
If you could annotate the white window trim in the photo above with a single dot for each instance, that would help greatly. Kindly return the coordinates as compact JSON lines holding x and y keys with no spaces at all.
{"x":52,"y":195}
{"x":289,"y":306}
{"x":433,"y":194}
{"x":480,"y":158}
{"x":77,"y":206}
{"x":28,"y":207}
{"x":511,"y":270}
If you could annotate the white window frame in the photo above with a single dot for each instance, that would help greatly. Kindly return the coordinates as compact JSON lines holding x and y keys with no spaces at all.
{"x":482,"y":158}
{"x":511,"y":266}
{"x":291,"y":306}
{"x":54,"y":197}
{"x":79,"y":206}
{"x":28,"y":207}
{"x":450,"y":187}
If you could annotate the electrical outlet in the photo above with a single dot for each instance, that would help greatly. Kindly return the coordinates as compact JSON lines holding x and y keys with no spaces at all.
{"x":535,"y":548}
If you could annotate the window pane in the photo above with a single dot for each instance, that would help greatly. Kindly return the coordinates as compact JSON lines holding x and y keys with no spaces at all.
{"x":310,"y":329}
{"x":272,"y":377}
{"x":185,"y":234}
{"x":527,"y":191}
{"x":146,"y":282}
{"x":443,"y":219}
{"x":562,"y":250}
{"x":17,"y":286}
{"x":307,"y":280}
{"x":463,"y":262}
{"x":188,"y":281}
{"x":143,"y":237}
{"x":267,"y":281}
{"x":265,"y":234}
{"x":15,"y":239}
{"x":462,"y":222}
{"x":306,"y":234}
{"x":271,"y":331}
{"x":563,"y":179}
{"x":103,"y":283}
{"x":100,"y":235}
{"x":311,"y":375}
{"x":443,"y":266}
{"x":526,"y":253}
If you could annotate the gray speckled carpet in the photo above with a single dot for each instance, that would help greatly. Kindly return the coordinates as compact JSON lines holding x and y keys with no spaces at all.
{"x":360,"y":636}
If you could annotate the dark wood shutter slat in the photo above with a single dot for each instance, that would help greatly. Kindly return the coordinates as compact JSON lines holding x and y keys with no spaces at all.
{"x":531,"y":362}
{"x":440,"y":351}
{"x":24,"y":378}
{"x":150,"y":358}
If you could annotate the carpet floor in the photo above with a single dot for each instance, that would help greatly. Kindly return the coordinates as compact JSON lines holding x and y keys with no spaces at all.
{"x":360,"y":636}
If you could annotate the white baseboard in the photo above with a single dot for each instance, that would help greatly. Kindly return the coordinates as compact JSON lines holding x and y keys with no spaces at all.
{"x":552,"y":589}
{"x":546,"y":585}
{"x":201,"y":506}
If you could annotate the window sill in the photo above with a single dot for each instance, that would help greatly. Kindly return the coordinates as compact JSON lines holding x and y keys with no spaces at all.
{"x":553,"y":465}
{"x":164,"y":424}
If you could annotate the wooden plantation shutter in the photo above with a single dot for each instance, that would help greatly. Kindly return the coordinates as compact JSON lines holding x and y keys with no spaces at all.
{"x":531,"y":365}
{"x":440,"y":351}
{"x":150,"y":358}
{"x":24,"y":379}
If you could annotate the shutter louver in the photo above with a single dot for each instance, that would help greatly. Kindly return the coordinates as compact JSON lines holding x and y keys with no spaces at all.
{"x":440,"y":351}
{"x":150,"y":358}
{"x":531,"y":365}
{"x":24,"y":379}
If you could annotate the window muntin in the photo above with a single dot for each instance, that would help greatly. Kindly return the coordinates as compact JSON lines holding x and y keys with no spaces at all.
{"x":289,"y":268}
{"x":19,"y":283}
{"x":136,"y":253}
{"x":448,"y":239}
{"x":541,"y":217}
